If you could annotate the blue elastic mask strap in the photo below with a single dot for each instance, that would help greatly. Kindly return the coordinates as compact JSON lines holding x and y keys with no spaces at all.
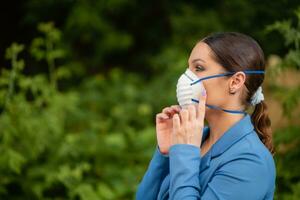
{"x":229,"y":74}
{"x":226,"y":74}
{"x":225,"y":110}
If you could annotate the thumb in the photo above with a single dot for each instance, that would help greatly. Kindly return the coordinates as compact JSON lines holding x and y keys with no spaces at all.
{"x":201,"y":105}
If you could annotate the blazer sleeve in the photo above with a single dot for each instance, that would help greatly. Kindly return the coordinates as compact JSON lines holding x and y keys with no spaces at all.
{"x":184,"y":172}
{"x":239,"y":178}
{"x":157,"y":170}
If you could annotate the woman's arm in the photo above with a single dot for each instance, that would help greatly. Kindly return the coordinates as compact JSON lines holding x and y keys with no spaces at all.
{"x":184,"y":172}
{"x":158,"y":168}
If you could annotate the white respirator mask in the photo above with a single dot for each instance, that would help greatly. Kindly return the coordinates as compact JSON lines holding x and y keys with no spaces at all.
{"x":186,"y":92}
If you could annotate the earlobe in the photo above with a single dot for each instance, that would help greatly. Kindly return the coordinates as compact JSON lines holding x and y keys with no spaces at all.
{"x":231,"y":91}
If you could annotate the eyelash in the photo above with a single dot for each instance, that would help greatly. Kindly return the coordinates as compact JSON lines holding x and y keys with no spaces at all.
{"x":199,"y":68}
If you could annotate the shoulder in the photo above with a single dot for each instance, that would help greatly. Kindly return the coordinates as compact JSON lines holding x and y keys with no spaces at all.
{"x":250,"y":146}
{"x":249,"y":160}
{"x":244,"y":171}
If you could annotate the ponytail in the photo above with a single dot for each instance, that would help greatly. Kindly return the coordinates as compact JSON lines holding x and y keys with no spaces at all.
{"x":249,"y":56}
{"x":262,"y":125}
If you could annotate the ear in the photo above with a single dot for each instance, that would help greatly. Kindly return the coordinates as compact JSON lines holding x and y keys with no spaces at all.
{"x":236,"y":82}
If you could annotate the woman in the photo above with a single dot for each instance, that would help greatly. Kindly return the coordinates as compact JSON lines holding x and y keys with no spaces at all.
{"x":231,"y":158}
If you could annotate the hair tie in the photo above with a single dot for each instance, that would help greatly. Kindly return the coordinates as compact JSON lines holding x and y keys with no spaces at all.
{"x":257,"y":97}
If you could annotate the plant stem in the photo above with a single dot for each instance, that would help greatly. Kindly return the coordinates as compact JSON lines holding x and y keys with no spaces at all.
{"x":51,"y":64}
{"x":12,"y":78}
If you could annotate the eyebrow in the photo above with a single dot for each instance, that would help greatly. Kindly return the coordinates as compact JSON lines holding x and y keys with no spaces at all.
{"x":195,"y":60}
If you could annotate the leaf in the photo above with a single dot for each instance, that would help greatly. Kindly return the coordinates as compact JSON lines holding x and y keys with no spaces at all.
{"x":86,"y":192}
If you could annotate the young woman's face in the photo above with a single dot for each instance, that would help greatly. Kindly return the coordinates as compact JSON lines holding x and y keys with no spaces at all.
{"x":202,"y":64}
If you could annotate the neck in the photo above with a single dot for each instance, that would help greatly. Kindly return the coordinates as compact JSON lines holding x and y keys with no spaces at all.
{"x":219,"y":122}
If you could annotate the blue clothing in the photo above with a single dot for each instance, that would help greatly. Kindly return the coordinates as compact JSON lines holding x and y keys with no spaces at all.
{"x":238,"y":166}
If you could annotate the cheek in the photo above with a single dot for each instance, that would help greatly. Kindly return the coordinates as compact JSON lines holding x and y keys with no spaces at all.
{"x":216,"y":91}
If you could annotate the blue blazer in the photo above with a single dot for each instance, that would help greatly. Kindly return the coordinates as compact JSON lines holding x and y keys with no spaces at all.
{"x":237,"y":167}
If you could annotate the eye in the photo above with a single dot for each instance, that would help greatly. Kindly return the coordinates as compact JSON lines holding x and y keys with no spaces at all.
{"x":199,"y":68}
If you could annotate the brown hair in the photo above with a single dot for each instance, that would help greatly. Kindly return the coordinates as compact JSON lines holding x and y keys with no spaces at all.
{"x":237,"y":52}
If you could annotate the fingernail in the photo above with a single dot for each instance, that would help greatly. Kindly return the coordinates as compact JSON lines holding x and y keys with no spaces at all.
{"x":203,"y":92}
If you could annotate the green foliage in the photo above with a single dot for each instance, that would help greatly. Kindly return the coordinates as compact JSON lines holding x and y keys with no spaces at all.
{"x":100,"y":35}
{"x":287,"y":139}
{"x":292,"y":38}
{"x":76,"y":143}
{"x":291,"y":60}
{"x":9,"y":78}
{"x":82,"y":127}
{"x":45,"y":48}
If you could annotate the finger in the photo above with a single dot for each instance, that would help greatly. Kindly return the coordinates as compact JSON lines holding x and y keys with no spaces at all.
{"x":192,"y":112}
{"x":184,"y":115}
{"x":201,"y":105}
{"x":167,"y":111}
{"x":176,"y":123}
{"x":176,"y":108}
{"x":162,"y":116}
{"x":170,"y":111}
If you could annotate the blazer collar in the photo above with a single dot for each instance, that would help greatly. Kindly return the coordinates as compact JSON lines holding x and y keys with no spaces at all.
{"x":236,"y":132}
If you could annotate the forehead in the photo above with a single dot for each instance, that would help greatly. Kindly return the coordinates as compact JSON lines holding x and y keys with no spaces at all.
{"x":200,"y":51}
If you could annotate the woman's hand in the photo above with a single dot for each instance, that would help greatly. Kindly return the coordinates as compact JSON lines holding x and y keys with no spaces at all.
{"x":188,"y":124}
{"x":164,"y":127}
